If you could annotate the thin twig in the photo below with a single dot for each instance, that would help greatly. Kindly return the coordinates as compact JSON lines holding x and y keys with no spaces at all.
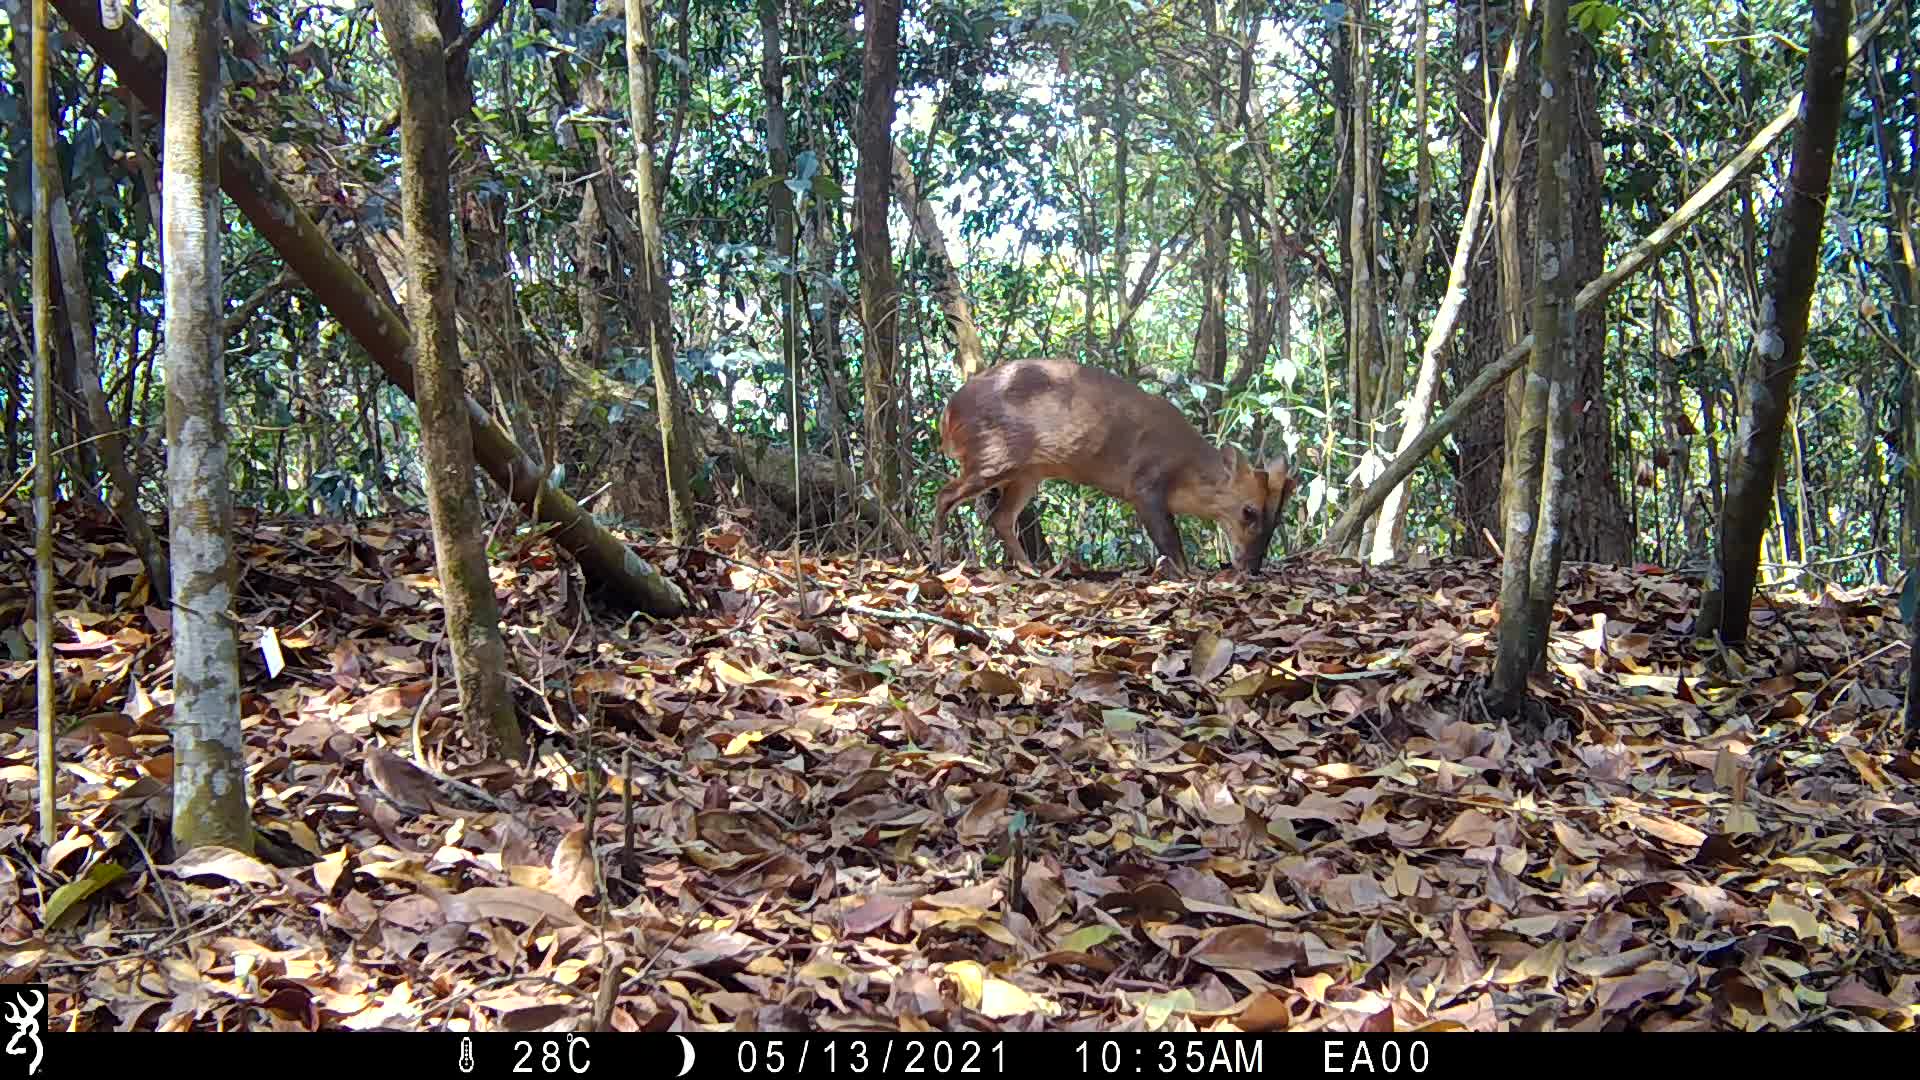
{"x":433,"y":686}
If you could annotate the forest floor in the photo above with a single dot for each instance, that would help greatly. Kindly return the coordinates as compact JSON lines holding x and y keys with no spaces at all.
{"x":1138,"y":805}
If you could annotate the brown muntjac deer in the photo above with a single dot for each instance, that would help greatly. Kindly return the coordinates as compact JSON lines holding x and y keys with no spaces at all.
{"x":1015,"y":425}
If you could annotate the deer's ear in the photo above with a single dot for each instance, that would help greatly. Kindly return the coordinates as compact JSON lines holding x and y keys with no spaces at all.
{"x":1235,"y":462}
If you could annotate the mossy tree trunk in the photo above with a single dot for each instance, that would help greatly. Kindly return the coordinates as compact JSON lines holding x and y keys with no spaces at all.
{"x":1535,"y":498}
{"x":643,"y":96}
{"x":1779,"y":339}
{"x":209,"y":771}
{"x":882,"y":374}
{"x":426,"y":208}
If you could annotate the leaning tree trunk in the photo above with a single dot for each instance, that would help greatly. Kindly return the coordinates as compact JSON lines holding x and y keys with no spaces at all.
{"x":112,"y":441}
{"x":1766,"y":393}
{"x":883,"y":375}
{"x":141,"y":66}
{"x":1535,"y":497}
{"x":643,"y":98}
{"x":210,"y":766}
{"x":1390,"y":531}
{"x":426,"y":210}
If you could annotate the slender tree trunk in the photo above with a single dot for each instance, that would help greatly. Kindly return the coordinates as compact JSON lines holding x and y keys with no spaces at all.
{"x":1598,"y":528}
{"x":473,"y":615}
{"x":882,"y":373}
{"x":141,"y":64}
{"x":1366,"y":367}
{"x":488,"y":299}
{"x":820,"y":241}
{"x":209,"y":772}
{"x":1491,"y":312}
{"x":1390,"y":531}
{"x":785,"y":221}
{"x":1900,"y":173}
{"x":1793,"y":261}
{"x":675,"y":432}
{"x":947,"y":290}
{"x":1391,"y":528}
{"x":605,"y":237}
{"x":100,"y":422}
{"x":43,"y":464}
{"x":968,"y":353}
{"x":1535,"y":497}
{"x":1117,"y":350}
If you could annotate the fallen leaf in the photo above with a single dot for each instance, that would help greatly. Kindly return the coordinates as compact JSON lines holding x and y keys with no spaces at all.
{"x":512,"y":902}
{"x":1250,"y":948}
{"x":223,"y":862}
{"x":1212,"y":655}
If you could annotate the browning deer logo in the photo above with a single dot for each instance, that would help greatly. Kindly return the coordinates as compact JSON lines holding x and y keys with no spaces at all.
{"x":23,"y":1013}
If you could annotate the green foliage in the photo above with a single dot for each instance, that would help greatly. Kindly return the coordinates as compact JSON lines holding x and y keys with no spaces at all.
{"x":1016,"y":118}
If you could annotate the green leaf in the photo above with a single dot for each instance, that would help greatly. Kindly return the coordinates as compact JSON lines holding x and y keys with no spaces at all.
{"x":1594,"y":17}
{"x":67,"y":897}
{"x":1087,"y":938}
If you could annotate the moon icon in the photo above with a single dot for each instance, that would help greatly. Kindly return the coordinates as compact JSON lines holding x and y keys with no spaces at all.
{"x":686,"y":1046}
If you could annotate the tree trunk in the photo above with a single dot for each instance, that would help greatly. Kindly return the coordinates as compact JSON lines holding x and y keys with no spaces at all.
{"x":1535,"y":496}
{"x":823,"y":307}
{"x":1598,"y":528}
{"x":1389,"y":532}
{"x":426,"y":208}
{"x":487,"y":298}
{"x":1900,"y":166}
{"x":141,"y":66}
{"x":781,"y":207}
{"x":98,"y":427}
{"x":1366,"y":368}
{"x":44,"y":167}
{"x":882,"y":374}
{"x":604,"y":235}
{"x":1493,"y":308}
{"x":968,"y":354}
{"x":643,"y":95}
{"x":209,"y":772}
{"x":947,"y":290}
{"x":1766,"y":393}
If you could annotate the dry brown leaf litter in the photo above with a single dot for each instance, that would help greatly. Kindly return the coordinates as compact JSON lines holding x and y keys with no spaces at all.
{"x":1140,"y":805}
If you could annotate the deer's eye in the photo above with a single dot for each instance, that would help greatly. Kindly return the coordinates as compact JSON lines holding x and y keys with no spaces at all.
{"x":1250,"y":514}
